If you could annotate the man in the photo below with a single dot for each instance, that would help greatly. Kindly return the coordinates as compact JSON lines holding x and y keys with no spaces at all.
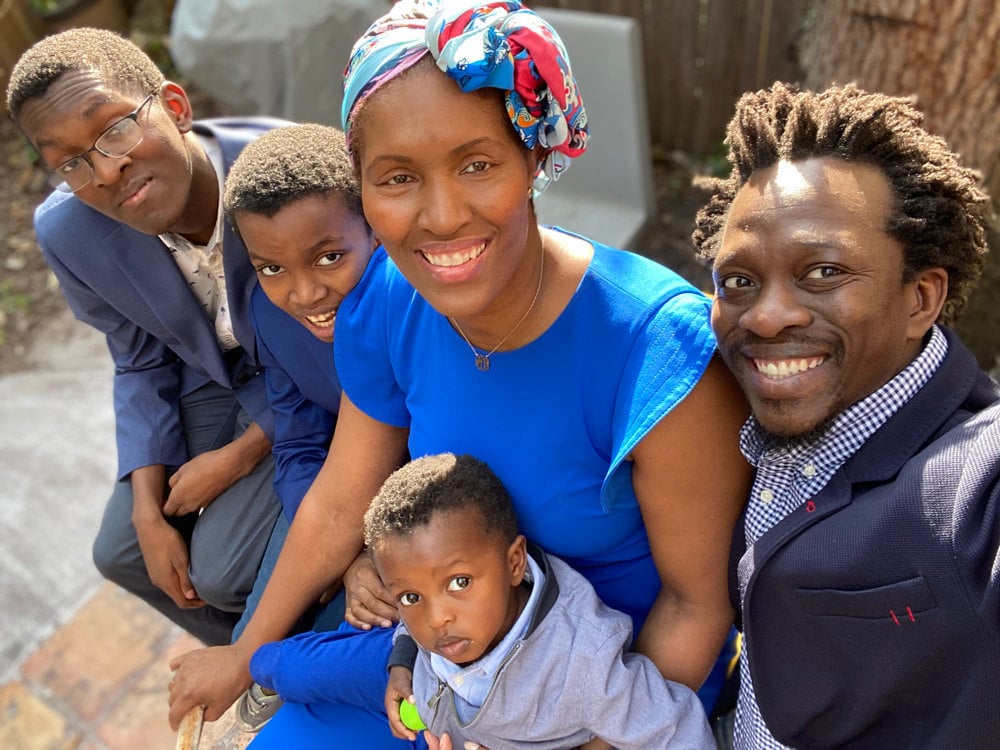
{"x":135,"y":236}
{"x":867,"y":567}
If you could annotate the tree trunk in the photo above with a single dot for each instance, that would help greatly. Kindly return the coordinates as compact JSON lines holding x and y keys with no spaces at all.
{"x":947,"y":53}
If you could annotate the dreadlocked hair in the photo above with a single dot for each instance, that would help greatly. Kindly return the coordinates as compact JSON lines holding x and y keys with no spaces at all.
{"x":939,"y":214}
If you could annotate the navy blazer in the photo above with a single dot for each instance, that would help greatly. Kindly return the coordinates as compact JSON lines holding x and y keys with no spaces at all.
{"x":126,"y":284}
{"x":872,"y":614}
{"x":304,"y":393}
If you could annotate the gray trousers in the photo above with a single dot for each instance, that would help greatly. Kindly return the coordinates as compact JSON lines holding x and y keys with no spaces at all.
{"x":226,"y":541}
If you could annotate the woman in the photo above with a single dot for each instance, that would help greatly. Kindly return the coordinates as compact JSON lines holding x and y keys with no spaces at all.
{"x":584,"y":376}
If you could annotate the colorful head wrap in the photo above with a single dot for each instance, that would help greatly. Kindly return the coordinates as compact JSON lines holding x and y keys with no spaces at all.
{"x":480,"y":44}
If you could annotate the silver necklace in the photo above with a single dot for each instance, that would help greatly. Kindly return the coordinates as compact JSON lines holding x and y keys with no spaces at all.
{"x":483,"y":360}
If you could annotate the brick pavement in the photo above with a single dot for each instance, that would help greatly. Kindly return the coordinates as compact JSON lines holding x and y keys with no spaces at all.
{"x":82,"y":664}
{"x":100,"y":683}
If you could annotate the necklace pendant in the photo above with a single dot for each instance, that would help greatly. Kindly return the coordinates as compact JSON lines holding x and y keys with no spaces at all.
{"x":482,"y":362}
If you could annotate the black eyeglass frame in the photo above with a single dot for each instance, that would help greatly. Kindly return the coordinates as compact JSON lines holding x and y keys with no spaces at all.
{"x":63,"y":185}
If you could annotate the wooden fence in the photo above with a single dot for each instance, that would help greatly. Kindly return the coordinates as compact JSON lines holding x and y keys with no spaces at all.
{"x":700,"y":55}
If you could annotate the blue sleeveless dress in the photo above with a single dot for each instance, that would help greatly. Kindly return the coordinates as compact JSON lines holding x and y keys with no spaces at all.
{"x":554,"y":419}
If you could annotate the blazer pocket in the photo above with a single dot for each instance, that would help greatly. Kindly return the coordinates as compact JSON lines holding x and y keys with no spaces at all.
{"x":893,"y":600}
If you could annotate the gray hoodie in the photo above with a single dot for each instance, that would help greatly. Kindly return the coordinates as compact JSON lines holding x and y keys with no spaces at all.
{"x":570,"y":678}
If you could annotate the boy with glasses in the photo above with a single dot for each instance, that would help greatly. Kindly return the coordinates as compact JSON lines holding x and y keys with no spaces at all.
{"x":116,"y":142}
{"x":135,"y":235}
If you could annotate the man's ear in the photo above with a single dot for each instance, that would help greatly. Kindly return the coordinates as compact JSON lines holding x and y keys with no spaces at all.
{"x":177,"y":105}
{"x":930,"y":291}
{"x":517,"y":558}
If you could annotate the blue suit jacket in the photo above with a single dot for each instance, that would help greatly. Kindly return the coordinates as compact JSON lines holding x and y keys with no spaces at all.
{"x":125,"y":284}
{"x":872,"y":618}
{"x":304,"y":393}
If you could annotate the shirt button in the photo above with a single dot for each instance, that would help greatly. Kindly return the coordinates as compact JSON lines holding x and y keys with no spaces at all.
{"x":459,"y":680}
{"x":766,"y":496}
{"x":809,"y":470}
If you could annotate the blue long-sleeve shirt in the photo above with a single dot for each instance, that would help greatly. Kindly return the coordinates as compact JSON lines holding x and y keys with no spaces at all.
{"x":304,"y":395}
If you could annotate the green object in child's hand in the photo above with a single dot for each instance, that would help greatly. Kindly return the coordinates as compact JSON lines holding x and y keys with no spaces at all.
{"x":410,"y":718}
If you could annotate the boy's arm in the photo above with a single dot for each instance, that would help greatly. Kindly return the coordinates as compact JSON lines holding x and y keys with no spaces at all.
{"x":147,"y":374}
{"x":302,"y":433}
{"x":164,"y":550}
{"x":400,"y":685}
{"x":197,"y":482}
{"x":301,"y":427}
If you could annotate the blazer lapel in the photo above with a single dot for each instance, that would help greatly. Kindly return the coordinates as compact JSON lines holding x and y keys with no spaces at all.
{"x":240,"y":281}
{"x":881,"y":457}
{"x":919,"y":420}
{"x":148,"y":265}
{"x":240,"y":274}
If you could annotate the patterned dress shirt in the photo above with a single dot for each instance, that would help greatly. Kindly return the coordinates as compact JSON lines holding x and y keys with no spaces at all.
{"x":201,"y":265}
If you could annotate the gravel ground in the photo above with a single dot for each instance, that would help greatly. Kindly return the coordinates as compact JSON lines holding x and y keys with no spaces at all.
{"x":29,"y":294}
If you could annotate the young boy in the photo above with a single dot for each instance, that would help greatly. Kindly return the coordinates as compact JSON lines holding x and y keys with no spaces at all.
{"x":292,"y":198}
{"x":513,"y":646}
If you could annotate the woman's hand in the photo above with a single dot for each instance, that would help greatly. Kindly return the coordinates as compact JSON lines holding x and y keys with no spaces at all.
{"x":399,"y":689}
{"x":211,"y":677}
{"x":368,"y":602}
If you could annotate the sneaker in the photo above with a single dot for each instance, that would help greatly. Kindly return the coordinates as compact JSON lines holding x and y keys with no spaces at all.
{"x":255,"y":708}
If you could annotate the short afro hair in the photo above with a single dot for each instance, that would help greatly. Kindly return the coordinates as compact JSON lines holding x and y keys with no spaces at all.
{"x":286,"y":164}
{"x":122,"y":66}
{"x":411,"y":496}
{"x":940,"y":213}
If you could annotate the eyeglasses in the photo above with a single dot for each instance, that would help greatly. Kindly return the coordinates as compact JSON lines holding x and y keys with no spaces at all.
{"x":117,"y":141}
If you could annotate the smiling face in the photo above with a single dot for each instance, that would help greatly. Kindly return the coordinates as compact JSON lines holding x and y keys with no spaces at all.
{"x":457,"y":588}
{"x":448,"y":194}
{"x":811,"y":312}
{"x":148,"y":189}
{"x":308,"y":257}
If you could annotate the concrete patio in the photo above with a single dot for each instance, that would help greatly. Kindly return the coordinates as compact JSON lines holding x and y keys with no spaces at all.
{"x":82,"y":664}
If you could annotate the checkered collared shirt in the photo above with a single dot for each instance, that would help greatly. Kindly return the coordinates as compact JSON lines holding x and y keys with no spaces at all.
{"x":787,"y":477}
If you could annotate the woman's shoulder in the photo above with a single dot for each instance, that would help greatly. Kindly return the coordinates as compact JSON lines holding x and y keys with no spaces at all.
{"x":637,"y":275}
{"x":636,"y":290}
{"x":370,"y":314}
{"x":380,"y":283}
